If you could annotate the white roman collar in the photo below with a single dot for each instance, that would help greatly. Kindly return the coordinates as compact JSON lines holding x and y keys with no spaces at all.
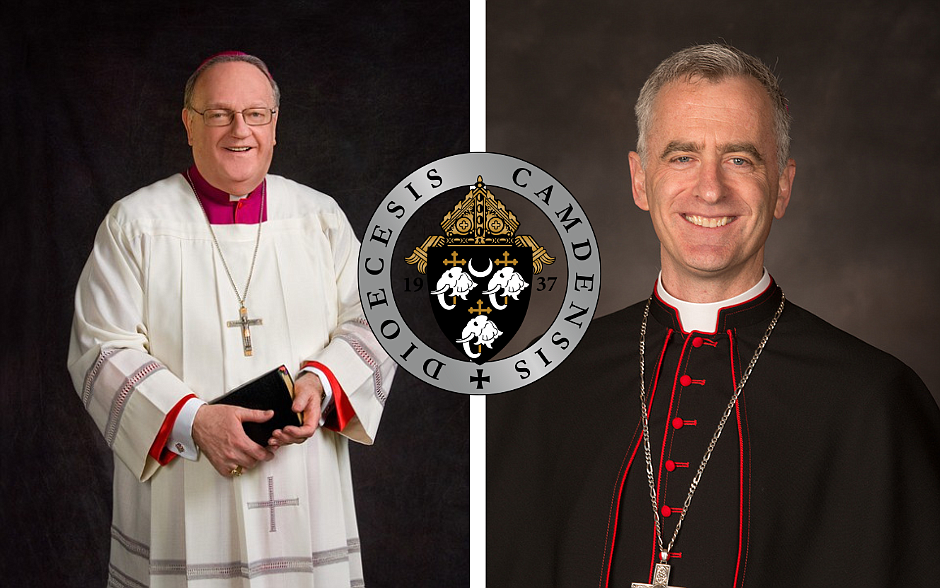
{"x":703,"y":316}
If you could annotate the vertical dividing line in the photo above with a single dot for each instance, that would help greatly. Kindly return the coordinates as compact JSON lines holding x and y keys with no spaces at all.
{"x":477,"y":491}
{"x":477,"y":75}
{"x":477,"y":403}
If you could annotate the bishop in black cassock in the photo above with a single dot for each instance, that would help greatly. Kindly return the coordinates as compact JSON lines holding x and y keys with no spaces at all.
{"x":827,"y":473}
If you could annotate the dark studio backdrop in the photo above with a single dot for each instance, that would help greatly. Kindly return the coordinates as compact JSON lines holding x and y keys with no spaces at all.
{"x":859,"y":243}
{"x":90,"y":96}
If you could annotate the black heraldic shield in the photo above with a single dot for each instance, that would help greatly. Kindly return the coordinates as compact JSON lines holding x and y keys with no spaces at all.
{"x":480,"y":275}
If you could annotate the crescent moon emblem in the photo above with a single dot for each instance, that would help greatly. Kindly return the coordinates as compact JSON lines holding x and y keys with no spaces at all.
{"x":489,"y":268}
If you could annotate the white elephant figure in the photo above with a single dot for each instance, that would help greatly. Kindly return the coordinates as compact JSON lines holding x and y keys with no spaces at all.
{"x":483,"y":329}
{"x":510,"y":281}
{"x":455,"y":280}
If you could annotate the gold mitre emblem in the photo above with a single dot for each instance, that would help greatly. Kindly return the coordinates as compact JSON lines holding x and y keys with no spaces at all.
{"x":480,"y":219}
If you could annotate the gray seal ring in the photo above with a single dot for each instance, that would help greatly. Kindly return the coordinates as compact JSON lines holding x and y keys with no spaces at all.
{"x":569,"y":221}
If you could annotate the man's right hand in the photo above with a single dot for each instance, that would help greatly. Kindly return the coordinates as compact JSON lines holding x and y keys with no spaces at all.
{"x":217,"y":430}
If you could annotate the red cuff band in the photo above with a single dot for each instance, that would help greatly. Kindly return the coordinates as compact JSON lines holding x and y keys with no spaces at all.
{"x":158,"y":450}
{"x":343,"y":411}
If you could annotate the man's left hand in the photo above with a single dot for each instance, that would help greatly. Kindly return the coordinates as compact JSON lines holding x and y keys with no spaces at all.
{"x":307,"y":394}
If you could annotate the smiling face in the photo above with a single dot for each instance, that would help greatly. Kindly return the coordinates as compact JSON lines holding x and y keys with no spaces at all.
{"x":234,"y":158}
{"x":711,"y":185}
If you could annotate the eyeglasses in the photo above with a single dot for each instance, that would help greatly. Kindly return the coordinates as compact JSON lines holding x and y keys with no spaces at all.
{"x":221,"y":117}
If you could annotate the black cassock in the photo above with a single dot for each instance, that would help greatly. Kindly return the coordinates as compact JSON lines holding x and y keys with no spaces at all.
{"x":827,"y":472}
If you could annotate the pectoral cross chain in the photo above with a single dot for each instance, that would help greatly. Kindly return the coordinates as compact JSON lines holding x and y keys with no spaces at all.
{"x":660,"y":578}
{"x":244,"y":322}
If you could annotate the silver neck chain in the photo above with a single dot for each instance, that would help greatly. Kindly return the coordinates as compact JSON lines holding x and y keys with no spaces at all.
{"x":664,"y":553}
{"x":215,"y":240}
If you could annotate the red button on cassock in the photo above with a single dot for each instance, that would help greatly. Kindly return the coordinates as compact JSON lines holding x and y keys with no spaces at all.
{"x":666,"y":511}
{"x":697,"y":342}
{"x":670,"y":465}
{"x":685,"y":380}
{"x":677,"y":423}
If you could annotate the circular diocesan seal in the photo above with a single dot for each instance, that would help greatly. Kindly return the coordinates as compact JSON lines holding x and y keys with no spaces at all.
{"x":468,"y":278}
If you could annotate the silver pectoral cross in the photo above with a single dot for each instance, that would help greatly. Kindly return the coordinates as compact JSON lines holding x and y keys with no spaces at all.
{"x":244,"y":322}
{"x":660,"y":578}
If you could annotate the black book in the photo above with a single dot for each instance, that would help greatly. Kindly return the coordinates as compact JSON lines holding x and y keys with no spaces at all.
{"x":271,"y":391}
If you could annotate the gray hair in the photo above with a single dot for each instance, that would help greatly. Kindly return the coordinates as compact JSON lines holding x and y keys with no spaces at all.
{"x":714,"y":62}
{"x":228,"y":57}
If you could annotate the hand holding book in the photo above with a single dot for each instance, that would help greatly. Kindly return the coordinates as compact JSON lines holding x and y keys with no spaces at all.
{"x":273,"y":391}
{"x":271,"y":411}
{"x":219,"y":432}
{"x":308,"y":399}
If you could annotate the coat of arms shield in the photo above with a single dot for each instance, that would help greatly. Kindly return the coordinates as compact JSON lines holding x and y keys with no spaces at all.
{"x":480,"y":274}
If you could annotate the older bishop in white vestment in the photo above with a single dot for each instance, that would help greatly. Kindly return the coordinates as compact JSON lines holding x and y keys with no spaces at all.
{"x":150,"y":342}
{"x":151,"y":312}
